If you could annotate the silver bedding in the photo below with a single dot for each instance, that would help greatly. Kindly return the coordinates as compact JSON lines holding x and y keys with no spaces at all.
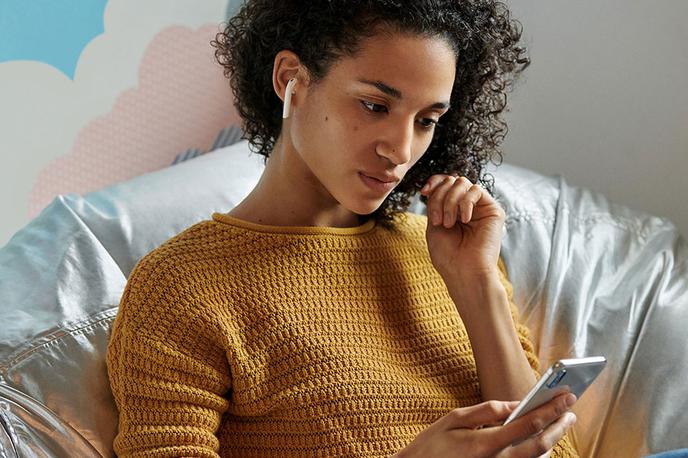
{"x":589,"y":278}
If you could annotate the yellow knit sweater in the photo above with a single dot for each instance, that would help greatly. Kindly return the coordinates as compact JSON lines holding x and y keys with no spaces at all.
{"x":239,"y":339}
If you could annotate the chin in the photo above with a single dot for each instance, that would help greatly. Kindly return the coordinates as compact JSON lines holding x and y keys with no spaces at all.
{"x":358,"y":202}
{"x":364,"y":207}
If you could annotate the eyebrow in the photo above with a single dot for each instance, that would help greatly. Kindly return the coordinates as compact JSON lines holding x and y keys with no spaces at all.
{"x":396,"y":93}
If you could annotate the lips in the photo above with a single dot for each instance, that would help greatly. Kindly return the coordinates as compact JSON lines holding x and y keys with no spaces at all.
{"x":382,"y":178}
{"x":379,"y":183}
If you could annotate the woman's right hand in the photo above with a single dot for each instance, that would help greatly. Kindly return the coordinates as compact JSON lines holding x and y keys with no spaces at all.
{"x":477,"y":431}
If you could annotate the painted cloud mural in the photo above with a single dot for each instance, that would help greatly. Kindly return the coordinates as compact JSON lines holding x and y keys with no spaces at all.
{"x":181,"y":101}
{"x":101,"y":91}
{"x":69,"y":26}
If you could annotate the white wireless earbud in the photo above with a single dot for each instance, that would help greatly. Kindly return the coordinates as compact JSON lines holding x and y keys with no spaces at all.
{"x":287,"y":98}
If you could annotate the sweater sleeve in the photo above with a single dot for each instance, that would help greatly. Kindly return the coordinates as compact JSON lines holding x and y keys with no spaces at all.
{"x":168,"y":375}
{"x":563,"y":448}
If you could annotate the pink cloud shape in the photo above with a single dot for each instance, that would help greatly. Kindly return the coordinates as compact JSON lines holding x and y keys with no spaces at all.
{"x":182,"y":101}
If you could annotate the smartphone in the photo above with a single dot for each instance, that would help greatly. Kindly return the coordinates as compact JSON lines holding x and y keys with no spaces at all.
{"x":565,"y":376}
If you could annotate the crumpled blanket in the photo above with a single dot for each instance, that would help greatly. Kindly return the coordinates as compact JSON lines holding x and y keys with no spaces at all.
{"x":589,"y":277}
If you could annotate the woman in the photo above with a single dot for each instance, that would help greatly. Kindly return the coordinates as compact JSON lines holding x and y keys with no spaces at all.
{"x":317,"y":317}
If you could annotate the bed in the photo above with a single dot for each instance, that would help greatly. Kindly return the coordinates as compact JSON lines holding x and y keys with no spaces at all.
{"x":590,"y":277}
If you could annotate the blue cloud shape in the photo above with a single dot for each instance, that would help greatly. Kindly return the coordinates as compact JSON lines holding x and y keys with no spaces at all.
{"x":232,"y":8}
{"x":50,"y":31}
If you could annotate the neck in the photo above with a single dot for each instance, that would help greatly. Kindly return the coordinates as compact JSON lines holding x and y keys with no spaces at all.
{"x":288,"y":194}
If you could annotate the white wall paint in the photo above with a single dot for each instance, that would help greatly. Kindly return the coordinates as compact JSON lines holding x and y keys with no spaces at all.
{"x":604,"y":102}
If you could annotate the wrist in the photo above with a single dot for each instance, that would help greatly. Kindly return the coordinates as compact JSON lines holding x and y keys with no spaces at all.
{"x":479,"y":296}
{"x":473,"y":286}
{"x":466,"y":277}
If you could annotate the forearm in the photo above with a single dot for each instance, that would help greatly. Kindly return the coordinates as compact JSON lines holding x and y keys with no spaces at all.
{"x":503,"y":369}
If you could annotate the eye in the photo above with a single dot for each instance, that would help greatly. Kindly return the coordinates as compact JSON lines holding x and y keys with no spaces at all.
{"x":428,"y":123}
{"x":373,"y":107}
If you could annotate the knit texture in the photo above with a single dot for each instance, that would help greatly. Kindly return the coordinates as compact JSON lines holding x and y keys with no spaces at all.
{"x":239,"y":339}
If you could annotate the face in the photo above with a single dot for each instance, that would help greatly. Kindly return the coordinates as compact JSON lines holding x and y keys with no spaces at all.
{"x":360,"y":129}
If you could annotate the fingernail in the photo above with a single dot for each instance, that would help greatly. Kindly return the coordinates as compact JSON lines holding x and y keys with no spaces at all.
{"x":570,"y":418}
{"x":436,"y":218}
{"x":570,"y":399}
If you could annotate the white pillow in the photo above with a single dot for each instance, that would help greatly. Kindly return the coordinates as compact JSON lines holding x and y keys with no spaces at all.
{"x":134,"y":217}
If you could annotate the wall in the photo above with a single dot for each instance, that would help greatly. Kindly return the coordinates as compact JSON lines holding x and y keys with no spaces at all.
{"x":604,"y":102}
{"x":100,"y":91}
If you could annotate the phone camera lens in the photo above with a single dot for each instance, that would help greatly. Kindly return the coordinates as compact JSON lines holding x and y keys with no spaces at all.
{"x":557,"y":378}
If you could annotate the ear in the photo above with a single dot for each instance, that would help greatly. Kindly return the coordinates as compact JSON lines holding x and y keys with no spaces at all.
{"x":287,"y":66}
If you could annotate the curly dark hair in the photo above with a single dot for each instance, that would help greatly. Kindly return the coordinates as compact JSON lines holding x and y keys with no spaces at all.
{"x":481,"y":33}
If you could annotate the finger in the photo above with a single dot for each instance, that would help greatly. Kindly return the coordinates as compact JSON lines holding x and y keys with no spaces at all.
{"x":435,"y":202}
{"x":533,"y":422}
{"x":545,"y":441}
{"x":432,"y":183}
{"x":452,"y":200}
{"x":485,"y":209}
{"x":483,"y":414}
{"x":472,"y":197}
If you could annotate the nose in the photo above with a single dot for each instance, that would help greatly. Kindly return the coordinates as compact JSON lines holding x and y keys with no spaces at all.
{"x":397,"y":142}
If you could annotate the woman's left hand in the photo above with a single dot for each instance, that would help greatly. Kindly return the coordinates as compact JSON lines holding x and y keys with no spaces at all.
{"x":465,"y":227}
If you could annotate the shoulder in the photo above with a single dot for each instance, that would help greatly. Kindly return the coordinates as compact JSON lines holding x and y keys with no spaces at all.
{"x":415,"y":220}
{"x":174,"y":277}
{"x":412,"y":226}
{"x":180,"y":255}
{"x":163,"y":262}
{"x":409,"y":225}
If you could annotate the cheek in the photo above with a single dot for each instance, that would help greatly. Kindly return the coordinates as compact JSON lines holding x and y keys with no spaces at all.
{"x":345,"y":136}
{"x":314,"y":131}
{"x":348,"y":136}
{"x":425,"y":144}
{"x":422,"y":150}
